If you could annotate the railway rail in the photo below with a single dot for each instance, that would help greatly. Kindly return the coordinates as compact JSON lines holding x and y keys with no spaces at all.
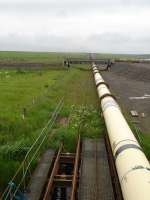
{"x":89,"y":173}
{"x":63,"y":180}
{"x":76,"y":176}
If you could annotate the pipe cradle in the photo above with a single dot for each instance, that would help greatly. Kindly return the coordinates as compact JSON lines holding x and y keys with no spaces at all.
{"x":132,"y":166}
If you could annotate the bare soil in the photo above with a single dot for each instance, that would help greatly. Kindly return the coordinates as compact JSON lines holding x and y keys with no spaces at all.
{"x":131,"y":80}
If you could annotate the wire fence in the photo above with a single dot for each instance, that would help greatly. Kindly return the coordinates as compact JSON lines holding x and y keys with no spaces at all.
{"x":18,"y":184}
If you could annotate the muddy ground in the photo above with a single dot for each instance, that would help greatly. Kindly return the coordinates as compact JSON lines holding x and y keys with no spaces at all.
{"x":132,"y":80}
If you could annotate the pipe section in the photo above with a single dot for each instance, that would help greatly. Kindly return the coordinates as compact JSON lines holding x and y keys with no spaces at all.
{"x":131,"y":163}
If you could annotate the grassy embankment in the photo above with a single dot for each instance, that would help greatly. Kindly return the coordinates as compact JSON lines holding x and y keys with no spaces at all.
{"x":37,"y":92}
{"x":143,"y":139}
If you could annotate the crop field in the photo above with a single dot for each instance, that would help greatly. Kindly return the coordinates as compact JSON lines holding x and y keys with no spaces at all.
{"x":27,"y":101}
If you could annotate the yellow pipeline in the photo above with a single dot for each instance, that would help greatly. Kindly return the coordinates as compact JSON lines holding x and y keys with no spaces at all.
{"x":132,"y":165}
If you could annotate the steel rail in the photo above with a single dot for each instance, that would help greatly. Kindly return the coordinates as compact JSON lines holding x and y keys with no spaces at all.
{"x":65,"y":179}
{"x":55,"y":168}
{"x":75,"y":172}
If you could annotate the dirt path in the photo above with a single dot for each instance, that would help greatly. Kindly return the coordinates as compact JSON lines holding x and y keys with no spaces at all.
{"x":132,"y":80}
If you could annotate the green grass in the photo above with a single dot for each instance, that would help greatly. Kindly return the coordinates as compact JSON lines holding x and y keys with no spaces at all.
{"x":53,"y":58}
{"x":143,"y":139}
{"x":37,"y":57}
{"x":145,"y":143}
{"x":38,"y":92}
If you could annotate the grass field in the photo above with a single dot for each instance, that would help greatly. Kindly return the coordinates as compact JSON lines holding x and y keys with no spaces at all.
{"x":35,"y":94}
{"x":53,"y":58}
{"x":37,"y":57}
{"x":28,"y":98}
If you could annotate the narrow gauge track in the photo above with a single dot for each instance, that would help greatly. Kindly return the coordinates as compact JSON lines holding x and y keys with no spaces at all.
{"x":89,"y":173}
{"x":63,"y":180}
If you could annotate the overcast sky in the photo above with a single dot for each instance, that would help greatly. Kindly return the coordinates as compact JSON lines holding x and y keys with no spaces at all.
{"x":105,"y":26}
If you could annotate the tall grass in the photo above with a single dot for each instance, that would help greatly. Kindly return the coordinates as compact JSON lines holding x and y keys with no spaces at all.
{"x":26,"y":102}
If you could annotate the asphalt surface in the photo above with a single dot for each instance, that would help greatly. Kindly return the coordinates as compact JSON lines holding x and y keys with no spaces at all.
{"x":130,"y":83}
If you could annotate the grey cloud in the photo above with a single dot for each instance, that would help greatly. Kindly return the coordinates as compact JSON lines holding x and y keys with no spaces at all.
{"x":68,"y":6}
{"x":119,"y":43}
{"x":26,"y":16}
{"x":105,"y":42}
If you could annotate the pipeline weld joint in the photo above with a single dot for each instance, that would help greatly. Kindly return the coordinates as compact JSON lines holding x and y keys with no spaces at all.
{"x":126,"y":146}
{"x":133,"y":169}
{"x":108,"y":95}
{"x":102,"y":83}
{"x":97,"y":72}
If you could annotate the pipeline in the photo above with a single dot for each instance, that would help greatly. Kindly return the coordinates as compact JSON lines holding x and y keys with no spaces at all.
{"x":131,"y":163}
